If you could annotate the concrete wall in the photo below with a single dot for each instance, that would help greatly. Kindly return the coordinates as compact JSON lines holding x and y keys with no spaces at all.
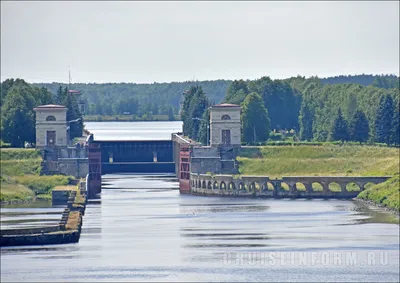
{"x":77,"y":167}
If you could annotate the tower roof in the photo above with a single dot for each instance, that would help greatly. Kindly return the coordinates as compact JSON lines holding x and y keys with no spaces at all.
{"x":224,"y":105}
{"x":50,"y":106}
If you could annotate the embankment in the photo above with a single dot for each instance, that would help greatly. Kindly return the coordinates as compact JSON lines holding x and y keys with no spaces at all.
{"x":68,"y":230}
{"x":20,"y":176}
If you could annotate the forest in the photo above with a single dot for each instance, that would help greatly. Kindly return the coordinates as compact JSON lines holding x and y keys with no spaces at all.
{"x":359,"y":108}
{"x":363,"y":109}
{"x":139,"y":100}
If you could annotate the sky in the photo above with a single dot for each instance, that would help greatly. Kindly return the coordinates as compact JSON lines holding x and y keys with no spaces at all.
{"x":146,"y":42}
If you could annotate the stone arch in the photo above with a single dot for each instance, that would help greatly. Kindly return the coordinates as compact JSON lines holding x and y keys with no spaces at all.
{"x":252,"y":187}
{"x":352,"y":187}
{"x":241,"y":186}
{"x":317,"y":187}
{"x":204,"y":185}
{"x":300,"y":186}
{"x":50,"y":118}
{"x":225,"y":117}
{"x":209,"y":185}
{"x":334,"y":187}
{"x":222,"y":186}
{"x":231,"y":186}
{"x":285,"y":186}
{"x":215,"y":185}
{"x":258,"y":186}
{"x":268,"y":186}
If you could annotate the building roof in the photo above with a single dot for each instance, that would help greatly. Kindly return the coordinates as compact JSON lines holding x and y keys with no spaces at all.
{"x":50,"y":106}
{"x":225,"y":105}
{"x":74,"y":91}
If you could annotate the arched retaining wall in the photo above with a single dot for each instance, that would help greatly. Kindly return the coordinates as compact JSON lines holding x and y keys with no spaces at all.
{"x":229,"y":185}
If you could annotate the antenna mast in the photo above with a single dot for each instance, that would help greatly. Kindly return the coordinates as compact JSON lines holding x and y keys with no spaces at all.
{"x":69,"y":77}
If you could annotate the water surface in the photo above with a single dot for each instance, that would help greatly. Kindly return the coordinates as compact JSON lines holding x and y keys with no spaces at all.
{"x":142,"y":229}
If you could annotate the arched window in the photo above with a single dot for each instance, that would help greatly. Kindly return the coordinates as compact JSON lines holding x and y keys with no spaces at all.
{"x":50,"y":118}
{"x":225,"y":117}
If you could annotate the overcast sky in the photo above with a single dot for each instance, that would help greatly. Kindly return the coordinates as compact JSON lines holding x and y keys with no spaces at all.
{"x":180,"y":41}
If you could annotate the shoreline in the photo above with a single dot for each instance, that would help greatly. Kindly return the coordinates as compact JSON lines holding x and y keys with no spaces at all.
{"x":377,"y":205}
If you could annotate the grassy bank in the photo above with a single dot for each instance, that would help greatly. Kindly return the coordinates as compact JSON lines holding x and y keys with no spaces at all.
{"x":306,"y":160}
{"x":20,"y":180}
{"x":385,"y":194}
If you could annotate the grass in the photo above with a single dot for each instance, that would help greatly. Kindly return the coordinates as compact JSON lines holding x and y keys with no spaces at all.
{"x":19,"y":153}
{"x":64,"y":188}
{"x":11,"y":192}
{"x":43,"y":184}
{"x":73,"y":220}
{"x":307,"y":160}
{"x":20,"y":180}
{"x":385,"y":194}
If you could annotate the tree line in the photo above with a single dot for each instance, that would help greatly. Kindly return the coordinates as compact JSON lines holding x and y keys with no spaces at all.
{"x":18,"y":99}
{"x":317,"y":111}
{"x":140,"y":100}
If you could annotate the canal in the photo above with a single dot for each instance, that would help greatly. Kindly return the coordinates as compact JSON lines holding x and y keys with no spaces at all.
{"x":142,"y":229}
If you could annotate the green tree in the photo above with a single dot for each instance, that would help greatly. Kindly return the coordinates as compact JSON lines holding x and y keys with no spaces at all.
{"x":204,"y":131}
{"x":384,"y":117}
{"x":171,"y":116}
{"x":359,"y":127}
{"x":395,"y":130}
{"x":305,"y":122}
{"x":194,"y":104}
{"x":18,"y":117}
{"x":255,"y":120}
{"x":339,"y":130}
{"x":73,"y":114}
{"x":59,"y":98}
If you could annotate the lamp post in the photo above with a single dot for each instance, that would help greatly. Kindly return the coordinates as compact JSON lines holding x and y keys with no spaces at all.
{"x":69,"y":127}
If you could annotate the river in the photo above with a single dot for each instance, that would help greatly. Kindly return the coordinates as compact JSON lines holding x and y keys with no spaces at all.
{"x":144,"y":230}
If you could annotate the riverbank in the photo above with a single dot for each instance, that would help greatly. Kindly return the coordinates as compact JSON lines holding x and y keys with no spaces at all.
{"x":330,"y":160}
{"x":20,"y":177}
{"x":385,"y":195}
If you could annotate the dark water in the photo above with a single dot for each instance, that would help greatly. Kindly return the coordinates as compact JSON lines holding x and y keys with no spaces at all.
{"x":142,"y":229}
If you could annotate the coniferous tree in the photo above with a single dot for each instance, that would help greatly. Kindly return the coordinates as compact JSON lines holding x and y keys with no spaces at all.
{"x":339,"y":131}
{"x":359,"y":127}
{"x":395,"y":130}
{"x":171,"y":116}
{"x":305,"y":122}
{"x":59,"y":99}
{"x":384,"y":117}
{"x":74,"y":117}
{"x":204,"y":131}
{"x":194,"y":105}
{"x":255,"y":119}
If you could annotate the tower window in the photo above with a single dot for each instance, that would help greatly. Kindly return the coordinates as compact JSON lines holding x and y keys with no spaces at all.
{"x":50,"y":118}
{"x":225,"y":117}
